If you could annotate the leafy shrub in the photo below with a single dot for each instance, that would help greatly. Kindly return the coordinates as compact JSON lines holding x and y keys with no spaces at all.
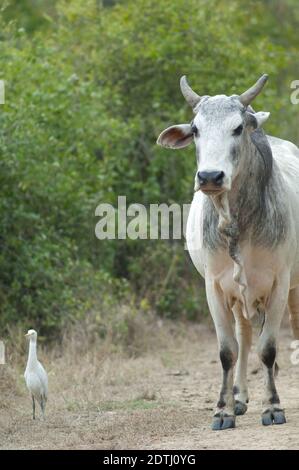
{"x":88,"y":89}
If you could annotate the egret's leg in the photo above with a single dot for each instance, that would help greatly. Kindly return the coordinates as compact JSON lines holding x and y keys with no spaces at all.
{"x":33,"y":407}
{"x":43,"y":407}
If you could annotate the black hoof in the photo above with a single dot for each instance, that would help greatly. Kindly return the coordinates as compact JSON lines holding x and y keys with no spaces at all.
{"x":216,"y":424}
{"x":240,"y":408}
{"x":223,"y":421}
{"x":267,"y":418}
{"x":229,"y":422}
{"x":279,"y":417}
{"x":273,"y":417}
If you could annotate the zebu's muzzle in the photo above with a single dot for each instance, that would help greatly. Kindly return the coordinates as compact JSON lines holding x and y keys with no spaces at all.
{"x":210,"y":182}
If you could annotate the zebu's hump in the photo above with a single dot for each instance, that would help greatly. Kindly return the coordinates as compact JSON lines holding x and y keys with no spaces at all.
{"x":286,"y":156}
{"x":283,"y":146}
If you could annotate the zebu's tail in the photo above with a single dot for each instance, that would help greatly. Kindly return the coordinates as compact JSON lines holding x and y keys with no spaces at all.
{"x":294,"y":311}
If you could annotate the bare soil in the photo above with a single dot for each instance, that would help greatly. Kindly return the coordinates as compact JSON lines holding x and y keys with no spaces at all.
{"x":161,"y":400}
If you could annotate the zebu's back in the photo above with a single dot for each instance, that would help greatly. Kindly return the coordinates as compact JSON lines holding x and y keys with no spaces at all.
{"x":286,"y":156}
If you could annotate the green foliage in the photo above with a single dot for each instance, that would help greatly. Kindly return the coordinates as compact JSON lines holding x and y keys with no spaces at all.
{"x":29,"y":14}
{"x":88,"y":89}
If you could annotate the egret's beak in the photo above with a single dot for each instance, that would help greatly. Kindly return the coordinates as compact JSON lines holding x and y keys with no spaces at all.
{"x":27,"y":334}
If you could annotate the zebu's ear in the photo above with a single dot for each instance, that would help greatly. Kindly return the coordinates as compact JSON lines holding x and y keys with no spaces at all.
{"x":261,"y":117}
{"x":176,"y":137}
{"x":255,"y":120}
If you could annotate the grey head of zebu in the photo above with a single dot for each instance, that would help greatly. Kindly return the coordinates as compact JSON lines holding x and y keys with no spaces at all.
{"x":224,"y":129}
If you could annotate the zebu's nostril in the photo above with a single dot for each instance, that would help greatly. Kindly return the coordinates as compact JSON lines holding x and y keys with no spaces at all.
{"x":219,"y":177}
{"x":213,"y":177}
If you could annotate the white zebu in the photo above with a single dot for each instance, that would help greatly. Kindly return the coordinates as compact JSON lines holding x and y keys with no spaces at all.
{"x":242,"y":235}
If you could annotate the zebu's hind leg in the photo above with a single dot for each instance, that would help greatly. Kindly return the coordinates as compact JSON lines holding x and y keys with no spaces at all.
{"x":244,"y":338}
{"x":224,"y":416}
{"x":267,"y":348}
{"x":293,"y":302}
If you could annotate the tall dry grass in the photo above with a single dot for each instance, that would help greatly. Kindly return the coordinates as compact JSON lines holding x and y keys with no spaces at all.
{"x":89,"y":370}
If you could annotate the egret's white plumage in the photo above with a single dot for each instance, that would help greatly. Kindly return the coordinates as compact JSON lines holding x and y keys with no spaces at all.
{"x":35,"y":375}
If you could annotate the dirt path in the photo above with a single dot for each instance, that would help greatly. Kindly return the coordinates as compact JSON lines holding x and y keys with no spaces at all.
{"x":163,"y":400}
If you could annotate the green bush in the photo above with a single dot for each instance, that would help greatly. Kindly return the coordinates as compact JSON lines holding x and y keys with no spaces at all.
{"x":88,"y":89}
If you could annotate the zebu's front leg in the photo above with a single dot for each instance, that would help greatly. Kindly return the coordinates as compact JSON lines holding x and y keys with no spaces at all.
{"x":267,"y":349}
{"x":224,"y":416}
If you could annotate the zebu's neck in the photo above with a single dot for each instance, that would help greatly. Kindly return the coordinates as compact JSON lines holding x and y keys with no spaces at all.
{"x":252,"y":210}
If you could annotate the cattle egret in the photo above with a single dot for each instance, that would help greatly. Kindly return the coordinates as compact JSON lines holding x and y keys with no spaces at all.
{"x":35,"y":375}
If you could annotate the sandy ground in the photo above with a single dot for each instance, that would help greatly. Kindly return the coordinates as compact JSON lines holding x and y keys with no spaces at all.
{"x":163,"y":400}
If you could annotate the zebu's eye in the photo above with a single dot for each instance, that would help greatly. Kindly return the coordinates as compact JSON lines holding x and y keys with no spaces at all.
{"x":194,"y":129}
{"x":238,"y":130}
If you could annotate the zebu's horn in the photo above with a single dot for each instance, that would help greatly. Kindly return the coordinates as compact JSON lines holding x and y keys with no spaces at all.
{"x":252,"y":92}
{"x":190,"y":96}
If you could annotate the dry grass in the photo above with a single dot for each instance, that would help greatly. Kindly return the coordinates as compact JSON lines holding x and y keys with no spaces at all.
{"x":103,"y":395}
{"x":91,"y":381}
